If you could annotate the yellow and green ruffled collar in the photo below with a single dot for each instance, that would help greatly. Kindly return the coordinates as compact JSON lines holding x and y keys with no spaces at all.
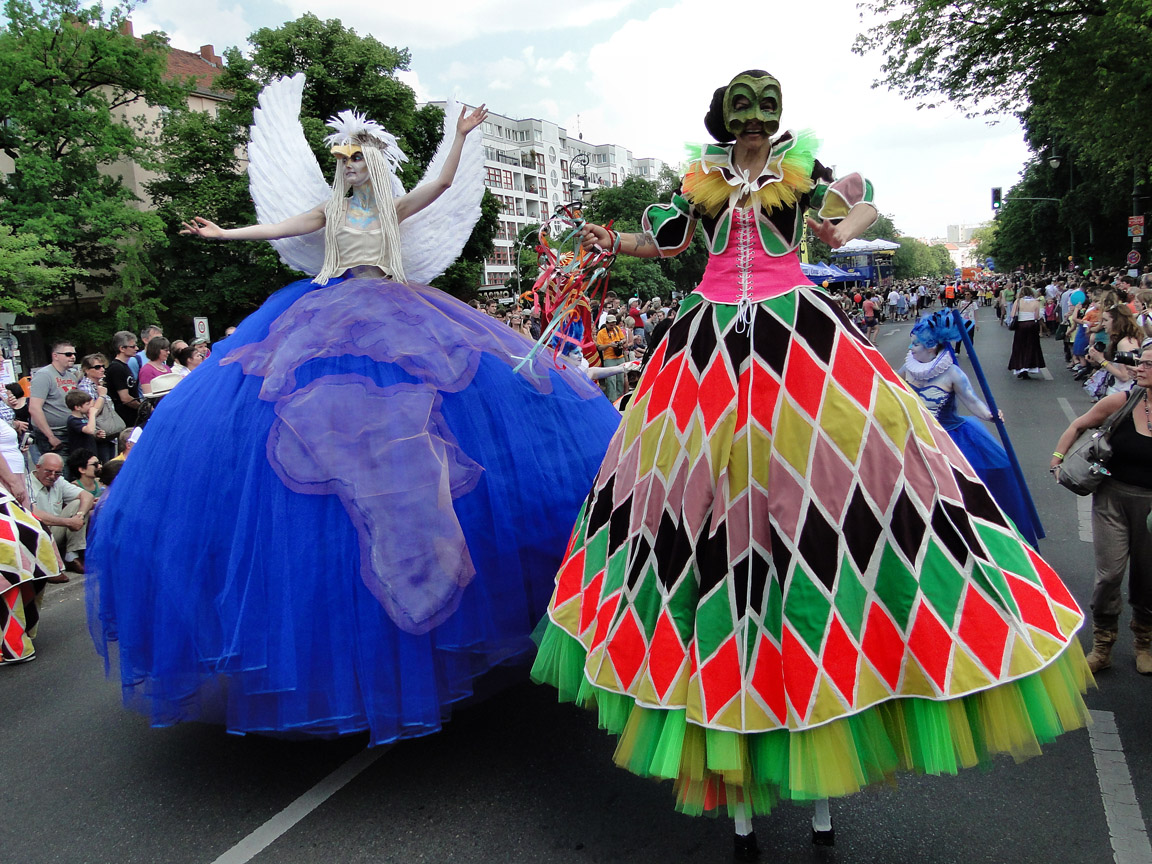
{"x":713,"y":181}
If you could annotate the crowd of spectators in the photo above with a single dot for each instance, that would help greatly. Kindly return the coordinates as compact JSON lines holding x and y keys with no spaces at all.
{"x":66,"y":430}
{"x":625,"y":334}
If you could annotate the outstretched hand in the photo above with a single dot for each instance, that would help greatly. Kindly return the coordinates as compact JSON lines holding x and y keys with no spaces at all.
{"x":201,"y":227}
{"x":592,"y":236}
{"x":828,"y":233}
{"x":467,"y":123}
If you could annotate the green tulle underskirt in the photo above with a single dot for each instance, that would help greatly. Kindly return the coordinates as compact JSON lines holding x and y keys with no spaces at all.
{"x":713,"y":770}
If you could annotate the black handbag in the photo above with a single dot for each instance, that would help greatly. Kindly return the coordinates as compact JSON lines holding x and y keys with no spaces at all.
{"x":1085,"y":464}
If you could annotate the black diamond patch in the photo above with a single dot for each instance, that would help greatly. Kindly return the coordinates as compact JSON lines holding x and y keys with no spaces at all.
{"x":816,"y":328}
{"x":770,"y":340}
{"x":907,"y":526}
{"x":978,"y":501}
{"x":861,"y":530}
{"x":819,"y":547}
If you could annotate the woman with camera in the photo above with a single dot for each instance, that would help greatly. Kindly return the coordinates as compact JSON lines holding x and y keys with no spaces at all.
{"x":1120,"y":510}
{"x":1114,"y":350}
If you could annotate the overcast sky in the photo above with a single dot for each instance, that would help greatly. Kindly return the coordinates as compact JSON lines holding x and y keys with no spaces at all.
{"x":640,"y":73}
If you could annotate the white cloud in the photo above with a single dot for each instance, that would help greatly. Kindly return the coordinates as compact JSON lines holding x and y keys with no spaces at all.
{"x":930,"y":168}
{"x":190,"y":25}
{"x":447,"y":22}
{"x":412,"y":79}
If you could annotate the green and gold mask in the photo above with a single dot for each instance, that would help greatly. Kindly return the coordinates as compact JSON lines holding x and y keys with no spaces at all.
{"x":752,"y":99}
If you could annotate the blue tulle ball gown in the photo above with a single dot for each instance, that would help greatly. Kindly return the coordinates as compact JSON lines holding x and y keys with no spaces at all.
{"x":349,"y":512}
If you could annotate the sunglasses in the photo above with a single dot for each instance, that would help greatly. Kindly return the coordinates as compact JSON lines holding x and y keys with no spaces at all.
{"x":97,"y":366}
{"x":66,"y":353}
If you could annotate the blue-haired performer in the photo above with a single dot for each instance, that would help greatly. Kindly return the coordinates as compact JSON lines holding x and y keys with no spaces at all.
{"x":930,"y":370}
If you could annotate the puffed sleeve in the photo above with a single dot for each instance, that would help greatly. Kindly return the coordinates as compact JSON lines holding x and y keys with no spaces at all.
{"x":833,"y":199}
{"x":670,"y":225}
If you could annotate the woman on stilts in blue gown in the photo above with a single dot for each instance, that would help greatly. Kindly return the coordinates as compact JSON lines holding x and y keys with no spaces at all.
{"x":930,"y":370}
{"x":369,"y":491}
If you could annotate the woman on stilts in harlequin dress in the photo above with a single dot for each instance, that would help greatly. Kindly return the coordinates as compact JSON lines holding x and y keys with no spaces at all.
{"x":358,"y":533}
{"x":787,"y":582}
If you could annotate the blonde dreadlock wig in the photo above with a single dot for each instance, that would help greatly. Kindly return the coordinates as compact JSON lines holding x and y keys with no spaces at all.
{"x":354,"y":133}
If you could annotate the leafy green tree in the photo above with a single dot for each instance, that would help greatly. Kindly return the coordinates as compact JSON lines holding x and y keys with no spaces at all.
{"x":1079,"y":64}
{"x":914,"y":260}
{"x":71,"y":84}
{"x":944,"y":265}
{"x":344,"y":70}
{"x":31,"y":271}
{"x":202,"y":176}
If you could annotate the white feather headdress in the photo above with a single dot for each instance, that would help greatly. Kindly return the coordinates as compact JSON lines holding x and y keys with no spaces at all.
{"x":353,"y":129}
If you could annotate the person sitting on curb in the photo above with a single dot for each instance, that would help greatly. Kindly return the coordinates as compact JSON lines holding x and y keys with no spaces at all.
{"x":62,"y":508}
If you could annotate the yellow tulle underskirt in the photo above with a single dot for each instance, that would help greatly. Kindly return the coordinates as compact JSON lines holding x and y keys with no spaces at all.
{"x":713,"y":770}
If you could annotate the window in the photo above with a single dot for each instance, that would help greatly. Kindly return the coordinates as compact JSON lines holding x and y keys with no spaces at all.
{"x":507,"y":179}
{"x":492,"y":177}
{"x":552,"y":155}
{"x":564,"y":169}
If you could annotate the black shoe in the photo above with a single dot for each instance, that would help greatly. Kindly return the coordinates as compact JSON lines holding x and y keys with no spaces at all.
{"x":824,"y":838}
{"x":745,"y":847}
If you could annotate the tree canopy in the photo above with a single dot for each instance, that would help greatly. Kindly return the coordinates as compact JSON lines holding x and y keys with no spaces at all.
{"x":1075,"y":71}
{"x":30,"y":271}
{"x":72,"y":87}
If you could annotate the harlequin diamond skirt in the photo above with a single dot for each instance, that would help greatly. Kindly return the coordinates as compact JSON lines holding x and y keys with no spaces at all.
{"x":788,"y":583}
{"x":27,"y":558}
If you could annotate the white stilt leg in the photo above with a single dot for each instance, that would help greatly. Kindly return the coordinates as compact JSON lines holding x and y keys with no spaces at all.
{"x":743,"y":820}
{"x":745,"y":847}
{"x":822,"y":818}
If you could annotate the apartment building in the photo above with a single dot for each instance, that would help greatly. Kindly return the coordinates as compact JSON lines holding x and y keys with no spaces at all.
{"x":533,"y":166}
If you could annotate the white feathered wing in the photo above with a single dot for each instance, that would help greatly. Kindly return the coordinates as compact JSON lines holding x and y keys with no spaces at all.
{"x":433,"y":238}
{"x":283,"y":175}
{"x":285,"y":180}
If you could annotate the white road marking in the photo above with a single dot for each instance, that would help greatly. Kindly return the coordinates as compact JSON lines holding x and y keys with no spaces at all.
{"x":1083,"y":503}
{"x":1084,"y":517}
{"x":1126,"y":828}
{"x":286,"y":819}
{"x":1066,"y":407}
{"x":1046,"y":374}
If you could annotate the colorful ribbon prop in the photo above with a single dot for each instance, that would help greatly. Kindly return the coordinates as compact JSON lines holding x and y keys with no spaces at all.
{"x":572,"y":280}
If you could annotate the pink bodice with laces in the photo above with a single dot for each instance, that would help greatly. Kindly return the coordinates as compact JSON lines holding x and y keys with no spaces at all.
{"x":744,"y":271}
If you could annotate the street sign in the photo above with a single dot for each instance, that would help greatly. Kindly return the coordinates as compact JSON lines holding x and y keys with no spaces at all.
{"x":1135,"y":220}
{"x":200,"y":329}
{"x":1134,"y":257}
{"x":1135,"y":230}
{"x":22,"y":328}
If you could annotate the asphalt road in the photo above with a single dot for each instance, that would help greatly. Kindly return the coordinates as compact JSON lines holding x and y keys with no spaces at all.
{"x":519,"y":778}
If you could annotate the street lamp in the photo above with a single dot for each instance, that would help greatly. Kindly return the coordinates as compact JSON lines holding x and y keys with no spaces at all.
{"x":580,"y":159}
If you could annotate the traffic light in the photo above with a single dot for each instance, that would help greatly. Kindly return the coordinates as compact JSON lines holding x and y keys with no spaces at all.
{"x":997,"y":197}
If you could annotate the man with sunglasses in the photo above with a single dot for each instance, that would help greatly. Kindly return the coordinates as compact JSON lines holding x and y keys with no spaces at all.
{"x":46,"y":401}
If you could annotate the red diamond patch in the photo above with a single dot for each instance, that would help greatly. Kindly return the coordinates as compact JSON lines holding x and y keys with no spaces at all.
{"x":983,"y":631}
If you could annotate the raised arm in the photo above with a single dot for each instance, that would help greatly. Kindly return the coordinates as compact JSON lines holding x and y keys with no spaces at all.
{"x":425,"y":194}
{"x":295,"y":226}
{"x":637,"y":245}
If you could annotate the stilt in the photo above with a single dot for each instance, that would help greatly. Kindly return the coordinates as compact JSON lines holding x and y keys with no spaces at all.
{"x":744,"y":848}
{"x":822,"y":831}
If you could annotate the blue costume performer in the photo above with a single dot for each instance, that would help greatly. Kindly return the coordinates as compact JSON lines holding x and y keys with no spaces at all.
{"x":930,"y":370}
{"x":358,"y":528}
